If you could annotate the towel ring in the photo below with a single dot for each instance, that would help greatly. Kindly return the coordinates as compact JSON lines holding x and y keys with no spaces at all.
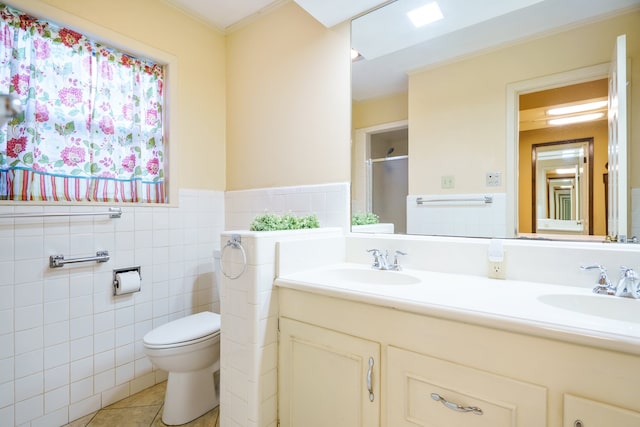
{"x":234,"y":243}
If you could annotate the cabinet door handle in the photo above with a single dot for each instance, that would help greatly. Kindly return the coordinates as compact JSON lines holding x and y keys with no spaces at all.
{"x":455,"y":406}
{"x":369,"y":384}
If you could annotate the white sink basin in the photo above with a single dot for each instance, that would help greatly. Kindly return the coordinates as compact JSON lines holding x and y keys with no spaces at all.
{"x":605,"y":306}
{"x":367,"y":277}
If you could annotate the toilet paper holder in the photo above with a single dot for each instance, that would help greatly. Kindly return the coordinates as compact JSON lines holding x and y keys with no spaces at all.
{"x":116,"y":271}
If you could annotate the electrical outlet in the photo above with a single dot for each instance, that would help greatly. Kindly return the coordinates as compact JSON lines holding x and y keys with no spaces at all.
{"x":496,"y":270}
{"x":494,"y":179}
{"x":447,"y":181}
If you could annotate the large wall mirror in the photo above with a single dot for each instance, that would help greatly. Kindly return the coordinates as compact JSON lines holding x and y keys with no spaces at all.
{"x":482,"y":95}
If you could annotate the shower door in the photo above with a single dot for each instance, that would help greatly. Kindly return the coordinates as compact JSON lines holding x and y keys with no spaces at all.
{"x":389,"y":189}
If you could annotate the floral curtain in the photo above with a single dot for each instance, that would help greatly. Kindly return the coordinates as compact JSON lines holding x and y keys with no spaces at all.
{"x":92,"y":128}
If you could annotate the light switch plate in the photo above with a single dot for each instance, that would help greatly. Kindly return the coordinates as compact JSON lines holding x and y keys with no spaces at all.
{"x":447,"y":181}
{"x":494,"y":179}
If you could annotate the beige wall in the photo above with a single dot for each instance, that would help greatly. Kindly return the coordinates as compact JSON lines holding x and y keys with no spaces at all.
{"x":457,"y":111}
{"x":265,"y":106}
{"x":199,"y":109}
{"x":372,"y":112}
{"x":288,"y":102}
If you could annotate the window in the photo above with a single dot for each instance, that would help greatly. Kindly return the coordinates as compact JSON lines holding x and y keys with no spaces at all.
{"x":93,"y":124}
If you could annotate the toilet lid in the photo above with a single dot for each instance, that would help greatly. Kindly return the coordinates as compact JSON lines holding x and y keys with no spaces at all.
{"x":185,"y":329}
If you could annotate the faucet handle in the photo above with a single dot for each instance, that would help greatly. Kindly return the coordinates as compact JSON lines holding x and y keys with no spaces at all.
{"x":377,"y":255}
{"x":604,"y":284}
{"x":628,"y":273}
{"x":628,"y":284}
{"x":396,"y":263}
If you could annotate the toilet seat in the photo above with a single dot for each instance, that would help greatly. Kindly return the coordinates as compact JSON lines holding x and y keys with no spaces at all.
{"x":183,"y":343}
{"x":185,"y":331}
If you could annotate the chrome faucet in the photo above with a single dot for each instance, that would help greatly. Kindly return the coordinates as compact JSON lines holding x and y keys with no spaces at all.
{"x":381,"y":260}
{"x":604,"y":285}
{"x":628,"y":284}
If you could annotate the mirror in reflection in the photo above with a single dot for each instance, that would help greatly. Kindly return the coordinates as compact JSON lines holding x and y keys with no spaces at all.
{"x":562,"y":186}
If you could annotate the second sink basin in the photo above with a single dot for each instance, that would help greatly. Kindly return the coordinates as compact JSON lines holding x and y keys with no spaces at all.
{"x":364,"y":276}
{"x":605,"y":306}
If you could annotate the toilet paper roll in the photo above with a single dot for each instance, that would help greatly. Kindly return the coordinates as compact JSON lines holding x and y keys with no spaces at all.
{"x":128,"y":282}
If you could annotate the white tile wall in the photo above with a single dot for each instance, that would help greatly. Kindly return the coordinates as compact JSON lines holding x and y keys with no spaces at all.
{"x":67,"y":345}
{"x":330,"y":202}
{"x":248,"y":359}
{"x":554,"y":262}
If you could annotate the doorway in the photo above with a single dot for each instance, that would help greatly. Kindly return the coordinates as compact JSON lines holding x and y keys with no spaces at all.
{"x":387,"y":170}
{"x":537,"y":110}
{"x":380,"y":154}
{"x":519,"y":197}
{"x":616,"y":180}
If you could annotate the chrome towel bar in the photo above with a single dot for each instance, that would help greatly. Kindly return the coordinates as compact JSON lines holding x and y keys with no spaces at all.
{"x":447,"y":200}
{"x":113,"y":213}
{"x":58,"y":260}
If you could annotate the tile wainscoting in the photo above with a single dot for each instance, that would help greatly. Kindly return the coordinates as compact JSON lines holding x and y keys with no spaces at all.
{"x":330,"y":202}
{"x":69,"y":347}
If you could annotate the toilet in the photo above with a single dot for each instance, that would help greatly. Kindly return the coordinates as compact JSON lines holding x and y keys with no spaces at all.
{"x":189,"y":350}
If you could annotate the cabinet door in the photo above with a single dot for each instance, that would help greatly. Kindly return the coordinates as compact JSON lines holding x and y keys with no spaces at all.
{"x":325,"y":378}
{"x":471,"y":397}
{"x":579,"y":412}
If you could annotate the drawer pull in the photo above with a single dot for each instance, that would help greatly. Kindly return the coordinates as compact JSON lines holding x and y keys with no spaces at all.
{"x":455,"y":406}
{"x":369,"y":384}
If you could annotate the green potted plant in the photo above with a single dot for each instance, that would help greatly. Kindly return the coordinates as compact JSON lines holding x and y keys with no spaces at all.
{"x":274,"y":222}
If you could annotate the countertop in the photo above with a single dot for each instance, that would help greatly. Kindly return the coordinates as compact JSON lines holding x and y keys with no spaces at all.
{"x":566,"y":313}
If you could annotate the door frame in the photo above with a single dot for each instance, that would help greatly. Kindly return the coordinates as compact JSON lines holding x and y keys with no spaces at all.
{"x":514,"y":90}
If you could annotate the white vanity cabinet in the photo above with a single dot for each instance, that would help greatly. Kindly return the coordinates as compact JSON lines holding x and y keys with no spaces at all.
{"x":327,"y":378}
{"x":514,"y":378}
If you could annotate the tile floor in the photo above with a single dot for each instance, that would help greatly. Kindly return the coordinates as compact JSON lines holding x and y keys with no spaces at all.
{"x":143,"y":409}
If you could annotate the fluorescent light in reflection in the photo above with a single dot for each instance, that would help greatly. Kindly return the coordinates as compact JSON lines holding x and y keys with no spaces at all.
{"x":564,"y":171}
{"x":425,"y":14}
{"x":572,"y":109}
{"x":576,"y":119}
{"x":574,"y":152}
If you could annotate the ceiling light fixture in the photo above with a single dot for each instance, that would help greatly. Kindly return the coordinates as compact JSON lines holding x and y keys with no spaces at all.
{"x":576,"y":119}
{"x":579,"y":108}
{"x":355,"y":55}
{"x":425,"y":14}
